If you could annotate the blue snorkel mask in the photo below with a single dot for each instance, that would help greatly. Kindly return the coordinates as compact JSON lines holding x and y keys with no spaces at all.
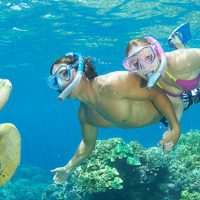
{"x":66,"y":85}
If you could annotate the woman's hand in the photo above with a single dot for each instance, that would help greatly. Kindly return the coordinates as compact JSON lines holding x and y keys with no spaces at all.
{"x":170,"y":139}
{"x":61,"y":175}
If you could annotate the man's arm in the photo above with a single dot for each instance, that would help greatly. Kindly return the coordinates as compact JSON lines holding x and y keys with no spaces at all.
{"x":89,"y":134}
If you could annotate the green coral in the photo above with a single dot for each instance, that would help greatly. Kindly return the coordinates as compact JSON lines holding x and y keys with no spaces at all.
{"x":185,"y":195}
{"x":117,"y":170}
{"x":99,"y":172}
{"x":28,"y":183}
{"x":98,"y":180}
{"x":189,"y":148}
{"x":184,"y":163}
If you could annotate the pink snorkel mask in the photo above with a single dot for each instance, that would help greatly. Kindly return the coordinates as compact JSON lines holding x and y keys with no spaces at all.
{"x":141,"y":61}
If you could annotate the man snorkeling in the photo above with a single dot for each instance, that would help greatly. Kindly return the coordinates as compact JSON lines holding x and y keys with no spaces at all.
{"x":117,"y":99}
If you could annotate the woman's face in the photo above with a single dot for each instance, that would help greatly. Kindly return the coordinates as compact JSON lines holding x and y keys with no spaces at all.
{"x":142,"y":60}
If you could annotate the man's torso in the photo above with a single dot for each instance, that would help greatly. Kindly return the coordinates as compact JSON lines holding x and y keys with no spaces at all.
{"x":111,"y":108}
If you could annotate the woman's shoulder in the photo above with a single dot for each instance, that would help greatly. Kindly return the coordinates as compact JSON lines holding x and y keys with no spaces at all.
{"x":183,"y":59}
{"x":181,"y":52}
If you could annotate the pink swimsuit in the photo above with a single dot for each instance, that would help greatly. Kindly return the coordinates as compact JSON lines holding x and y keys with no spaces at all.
{"x":190,"y":95}
{"x":188,"y":85}
{"x":185,"y":85}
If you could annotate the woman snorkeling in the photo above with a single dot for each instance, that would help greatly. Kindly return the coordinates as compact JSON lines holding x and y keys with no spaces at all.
{"x":176,"y":72}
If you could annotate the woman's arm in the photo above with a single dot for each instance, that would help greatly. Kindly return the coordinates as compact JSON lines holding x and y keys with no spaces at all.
{"x":178,"y":106}
{"x":170,"y":137}
{"x":164,"y":106}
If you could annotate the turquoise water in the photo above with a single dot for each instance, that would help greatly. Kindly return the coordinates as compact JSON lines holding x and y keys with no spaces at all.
{"x":34,"y":33}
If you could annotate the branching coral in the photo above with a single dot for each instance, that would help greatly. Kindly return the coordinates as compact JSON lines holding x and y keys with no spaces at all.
{"x":117,"y":170}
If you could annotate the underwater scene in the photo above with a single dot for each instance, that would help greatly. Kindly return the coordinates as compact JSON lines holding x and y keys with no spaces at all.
{"x":41,"y":129}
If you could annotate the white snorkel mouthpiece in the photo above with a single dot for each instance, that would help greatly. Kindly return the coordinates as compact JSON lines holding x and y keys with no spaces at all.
{"x":154,"y":76}
{"x":68,"y":90}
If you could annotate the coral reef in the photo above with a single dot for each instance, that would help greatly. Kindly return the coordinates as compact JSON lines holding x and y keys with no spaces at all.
{"x":27,"y":184}
{"x":117,"y":170}
{"x":185,"y":195}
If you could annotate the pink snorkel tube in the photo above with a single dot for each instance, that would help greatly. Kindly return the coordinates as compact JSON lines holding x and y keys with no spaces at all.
{"x":154,"y":76}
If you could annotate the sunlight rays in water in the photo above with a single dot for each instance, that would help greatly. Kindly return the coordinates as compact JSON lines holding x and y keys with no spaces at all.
{"x":91,"y":25}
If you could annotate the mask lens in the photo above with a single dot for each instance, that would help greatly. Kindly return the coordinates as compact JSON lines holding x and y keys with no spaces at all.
{"x":58,"y":78}
{"x":134,"y":62}
{"x":52,"y":82}
{"x":147,"y":55}
{"x":63,"y":72}
{"x":131,"y":63}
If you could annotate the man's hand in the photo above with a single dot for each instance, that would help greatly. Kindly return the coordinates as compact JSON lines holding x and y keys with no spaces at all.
{"x":61,"y":175}
{"x":170,"y":138}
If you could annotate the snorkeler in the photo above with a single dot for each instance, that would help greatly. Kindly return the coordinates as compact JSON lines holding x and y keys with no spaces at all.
{"x":117,"y":99}
{"x":10,"y":141}
{"x":177,"y":73}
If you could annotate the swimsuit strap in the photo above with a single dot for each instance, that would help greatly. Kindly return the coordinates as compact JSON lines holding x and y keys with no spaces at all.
{"x":164,"y":90}
{"x":159,"y":85}
{"x":170,"y":76}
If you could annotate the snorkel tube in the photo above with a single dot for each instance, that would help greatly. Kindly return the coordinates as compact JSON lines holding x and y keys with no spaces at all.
{"x":68,"y":90}
{"x":154,"y":76}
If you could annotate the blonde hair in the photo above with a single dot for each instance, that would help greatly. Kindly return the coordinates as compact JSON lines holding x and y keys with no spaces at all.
{"x":135,"y":43}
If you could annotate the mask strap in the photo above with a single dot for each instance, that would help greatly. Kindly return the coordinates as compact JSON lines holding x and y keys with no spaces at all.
{"x":159,"y":48}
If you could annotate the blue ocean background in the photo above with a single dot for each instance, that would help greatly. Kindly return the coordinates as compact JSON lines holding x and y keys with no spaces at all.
{"x":34,"y":33}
